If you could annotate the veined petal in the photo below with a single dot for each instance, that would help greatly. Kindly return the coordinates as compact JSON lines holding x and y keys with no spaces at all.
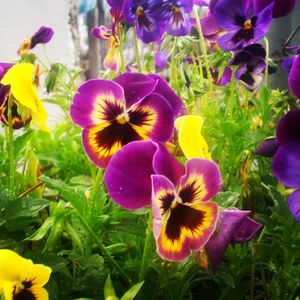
{"x":128,"y":175}
{"x":97,"y":101}
{"x":148,"y":28}
{"x":179,"y":23}
{"x":136,"y":86}
{"x":152,"y":118}
{"x":102,"y":141}
{"x":201,"y":182}
{"x":191,"y":142}
{"x":185,"y":229}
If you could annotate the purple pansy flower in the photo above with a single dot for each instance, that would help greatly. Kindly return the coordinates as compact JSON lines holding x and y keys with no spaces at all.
{"x":114,"y":113}
{"x":251,"y":63}
{"x":286,"y":161}
{"x":243,"y":21}
{"x":234,"y":226}
{"x":148,"y":16}
{"x":184,"y":218}
{"x":42,"y":36}
{"x":281,"y":8}
{"x":294,"y":77}
{"x":178,"y":21}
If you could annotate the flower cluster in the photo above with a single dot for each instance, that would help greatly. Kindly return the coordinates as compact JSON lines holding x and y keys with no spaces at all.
{"x":127,"y":123}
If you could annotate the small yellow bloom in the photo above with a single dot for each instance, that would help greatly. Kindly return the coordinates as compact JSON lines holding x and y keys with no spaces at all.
{"x":20,"y":79}
{"x":20,"y":278}
{"x":192,"y":143}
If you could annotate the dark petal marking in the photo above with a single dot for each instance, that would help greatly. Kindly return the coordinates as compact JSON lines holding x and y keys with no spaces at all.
{"x":244,"y":34}
{"x":166,"y":202}
{"x":145,"y":22}
{"x":24,"y":294}
{"x":189,"y":192}
{"x":109,"y":109}
{"x":116,"y":133}
{"x":140,"y":117}
{"x":183,"y":216}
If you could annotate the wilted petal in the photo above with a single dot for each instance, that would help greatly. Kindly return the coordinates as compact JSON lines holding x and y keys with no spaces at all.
{"x":268,"y":147}
{"x":286,"y":164}
{"x":97,"y":101}
{"x":288,"y":128}
{"x":136,"y":86}
{"x":128,"y":175}
{"x":101,"y":32}
{"x":294,"y":77}
{"x":112,"y":60}
{"x":201,"y":182}
{"x":164,"y":89}
{"x":42,"y":36}
{"x":191,"y":142}
{"x":294,"y":204}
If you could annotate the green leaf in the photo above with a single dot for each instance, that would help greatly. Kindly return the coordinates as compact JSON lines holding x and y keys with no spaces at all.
{"x":132,"y":292}
{"x":21,"y":141}
{"x":227,"y":199}
{"x":74,"y":196}
{"x":109,"y":291}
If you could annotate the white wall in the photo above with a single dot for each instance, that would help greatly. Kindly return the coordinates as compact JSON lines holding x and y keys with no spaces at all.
{"x":22,"y":18}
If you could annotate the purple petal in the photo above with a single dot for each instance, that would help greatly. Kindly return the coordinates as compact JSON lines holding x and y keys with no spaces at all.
{"x":164,"y":163}
{"x":225,"y":78}
{"x":231,"y":14}
{"x":160,"y":126}
{"x":294,"y":77}
{"x":161,"y":58}
{"x":148,"y":29}
{"x":97,"y":101}
{"x":268,"y":147}
{"x":4,"y":68}
{"x":286,"y":164}
{"x":136,"y":86}
{"x":205,"y":178}
{"x":247,"y":229}
{"x":294,"y":204}
{"x":288,"y":128}
{"x":281,"y":7}
{"x":264,"y":19}
{"x":209,"y":25}
{"x":101,"y":32}
{"x":42,"y":36}
{"x":131,"y":192}
{"x":288,"y":63}
{"x":179,"y":23}
{"x":115,"y":3}
{"x":227,"y":42}
{"x":167,"y":92}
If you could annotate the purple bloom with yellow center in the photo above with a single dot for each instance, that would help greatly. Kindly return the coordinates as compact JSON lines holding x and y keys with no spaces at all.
{"x":178,"y":20}
{"x":42,"y":36}
{"x":114,"y":113}
{"x":148,"y":16}
{"x":243,"y":21}
{"x":184,"y":218}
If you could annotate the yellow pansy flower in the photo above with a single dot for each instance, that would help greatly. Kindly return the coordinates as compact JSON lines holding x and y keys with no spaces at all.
{"x":20,"y":79}
{"x":192,"y":143}
{"x":20,"y":278}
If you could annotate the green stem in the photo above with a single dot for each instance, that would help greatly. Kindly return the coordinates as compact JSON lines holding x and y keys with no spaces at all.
{"x":136,"y":49}
{"x":203,"y":47}
{"x":96,"y":184}
{"x":120,"y":35}
{"x":232,"y":88}
{"x":267,"y":61}
{"x":146,"y":247}
{"x":103,"y":249}
{"x":173,"y":82}
{"x":10,"y":143}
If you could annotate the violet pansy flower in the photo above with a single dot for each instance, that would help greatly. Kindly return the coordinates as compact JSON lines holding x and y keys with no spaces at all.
{"x":147,"y":16}
{"x":243,"y":21}
{"x":286,"y":161}
{"x":42,"y":36}
{"x":115,"y":113}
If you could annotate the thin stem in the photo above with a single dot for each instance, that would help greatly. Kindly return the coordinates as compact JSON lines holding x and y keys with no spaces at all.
{"x":267,"y":61}
{"x":203,"y":47}
{"x":120,"y":35}
{"x":136,"y":49}
{"x":146,"y":247}
{"x":232,"y":89}
{"x":103,"y":249}
{"x":10,"y":143}
{"x":96,"y":184}
{"x":173,"y":65}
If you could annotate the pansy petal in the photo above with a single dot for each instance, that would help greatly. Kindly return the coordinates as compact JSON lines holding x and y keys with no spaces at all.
{"x":294,"y":204}
{"x":294,"y":77}
{"x":42,"y":36}
{"x":131,"y":192}
{"x":179,"y":23}
{"x":136,"y":86}
{"x":97,"y":101}
{"x":185,"y":229}
{"x":247,"y":229}
{"x":112,"y":60}
{"x":201,"y":182}
{"x":152,"y":118}
{"x":286,"y":164}
{"x":191,"y":142}
{"x":264,"y":18}
{"x":37,"y":274}
{"x":228,"y":42}
{"x":164,"y":89}
{"x":288,"y":128}
{"x":148,"y":28}
{"x":39,"y":292}
{"x":268,"y":147}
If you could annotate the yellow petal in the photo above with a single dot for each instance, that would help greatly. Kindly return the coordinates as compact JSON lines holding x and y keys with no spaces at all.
{"x":8,"y":289}
{"x":40,"y":117}
{"x":39,"y":292}
{"x":11,"y":265}
{"x":191,"y":142}
{"x":20,"y":79}
{"x":38,"y":274}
